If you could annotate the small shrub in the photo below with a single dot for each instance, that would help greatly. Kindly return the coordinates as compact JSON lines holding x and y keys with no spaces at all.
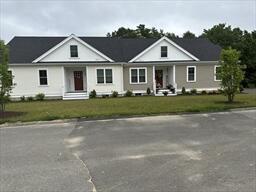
{"x":187,"y":93}
{"x":40,"y":97}
{"x":30,"y":98}
{"x":114,"y":94}
{"x":241,"y":88}
{"x":93,"y":94}
{"x":22,"y":98}
{"x":220,"y":91}
{"x":212,"y":92}
{"x":183,"y":91}
{"x":148,"y":91}
{"x":193,"y":91}
{"x":105,"y":96}
{"x":165,"y":93}
{"x":203,"y":92}
{"x":128,"y":93}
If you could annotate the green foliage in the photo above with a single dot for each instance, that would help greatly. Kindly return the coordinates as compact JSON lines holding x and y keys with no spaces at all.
{"x":230,"y":72}
{"x":93,"y":94}
{"x":193,"y":91}
{"x":22,"y":98}
{"x":189,"y":35}
{"x":30,"y":98}
{"x":5,"y":76}
{"x":165,"y":93}
{"x":140,"y":32}
{"x":148,"y":91}
{"x":40,"y":97}
{"x":203,"y":92}
{"x":114,"y":94}
{"x":248,"y":57}
{"x":128,"y":93}
{"x":242,"y":41}
{"x":183,"y":90}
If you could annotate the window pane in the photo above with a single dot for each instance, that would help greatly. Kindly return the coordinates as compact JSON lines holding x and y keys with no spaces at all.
{"x":108,"y":75}
{"x":142,"y":76}
{"x":43,"y":81}
{"x":134,"y":76}
{"x":164,"y":51}
{"x":191,"y":74}
{"x":73,"y":51}
{"x":43,"y":73}
{"x":100,"y":76}
{"x":217,"y":73}
{"x":43,"y":77}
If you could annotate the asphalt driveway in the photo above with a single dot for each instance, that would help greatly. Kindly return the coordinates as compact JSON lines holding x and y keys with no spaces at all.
{"x":180,"y":153}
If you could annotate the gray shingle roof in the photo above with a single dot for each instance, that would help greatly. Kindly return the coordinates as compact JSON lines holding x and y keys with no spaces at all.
{"x":26,"y":49}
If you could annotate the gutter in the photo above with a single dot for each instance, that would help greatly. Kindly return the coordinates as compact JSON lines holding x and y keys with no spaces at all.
{"x":116,"y":63}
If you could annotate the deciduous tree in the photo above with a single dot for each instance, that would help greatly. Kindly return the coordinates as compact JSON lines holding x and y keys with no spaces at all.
{"x":5,"y":76}
{"x":231,"y":73}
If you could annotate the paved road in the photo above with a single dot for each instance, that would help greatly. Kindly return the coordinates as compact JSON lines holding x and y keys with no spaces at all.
{"x":34,"y":158}
{"x":187,"y":153}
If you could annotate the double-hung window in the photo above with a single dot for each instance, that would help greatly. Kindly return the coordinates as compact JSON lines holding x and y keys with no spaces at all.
{"x":10,"y":73}
{"x":138,"y":75}
{"x":73,"y":51}
{"x":217,"y":73}
{"x":104,"y":76}
{"x":164,"y":51}
{"x":43,"y":77}
{"x":191,"y":73}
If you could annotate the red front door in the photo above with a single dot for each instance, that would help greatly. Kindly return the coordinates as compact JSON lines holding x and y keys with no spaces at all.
{"x":78,"y":79}
{"x":159,"y":78}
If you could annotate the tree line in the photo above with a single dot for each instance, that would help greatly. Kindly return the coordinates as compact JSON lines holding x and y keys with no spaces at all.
{"x":221,"y":34}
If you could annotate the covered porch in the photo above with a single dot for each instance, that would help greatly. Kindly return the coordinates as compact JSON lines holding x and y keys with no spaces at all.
{"x":164,"y":80}
{"x":74,"y":83}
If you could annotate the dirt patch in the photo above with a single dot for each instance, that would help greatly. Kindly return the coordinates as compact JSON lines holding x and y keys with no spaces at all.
{"x":8,"y":114}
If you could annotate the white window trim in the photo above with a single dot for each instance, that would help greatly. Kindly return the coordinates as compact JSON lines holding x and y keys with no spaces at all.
{"x":70,"y":52}
{"x":104,"y":73}
{"x":138,"y":75}
{"x":46,"y":76}
{"x":215,"y":66}
{"x":161,"y":52}
{"x":189,"y":81}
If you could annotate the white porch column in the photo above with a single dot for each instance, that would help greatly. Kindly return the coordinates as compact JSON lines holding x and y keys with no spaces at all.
{"x":64,"y":81}
{"x":174,"y":77}
{"x":154,"y":80}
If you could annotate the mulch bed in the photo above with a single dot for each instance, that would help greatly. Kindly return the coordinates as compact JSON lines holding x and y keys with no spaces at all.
{"x":8,"y":114}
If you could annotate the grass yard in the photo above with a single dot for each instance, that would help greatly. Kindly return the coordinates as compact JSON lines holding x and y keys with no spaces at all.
{"x":125,"y":106}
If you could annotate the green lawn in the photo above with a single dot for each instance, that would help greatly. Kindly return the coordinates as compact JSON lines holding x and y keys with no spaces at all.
{"x":49,"y":110}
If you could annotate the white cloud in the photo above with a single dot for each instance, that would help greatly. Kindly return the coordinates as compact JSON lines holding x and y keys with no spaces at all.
{"x":96,"y":18}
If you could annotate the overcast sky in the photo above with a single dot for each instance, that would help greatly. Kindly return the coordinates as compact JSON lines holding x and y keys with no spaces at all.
{"x":96,"y":18}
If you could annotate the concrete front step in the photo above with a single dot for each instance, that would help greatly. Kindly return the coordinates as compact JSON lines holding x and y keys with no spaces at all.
{"x":75,"y":96}
{"x":169,"y":94}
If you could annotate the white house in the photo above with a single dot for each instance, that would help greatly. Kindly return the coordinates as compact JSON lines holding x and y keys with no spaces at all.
{"x":71,"y":67}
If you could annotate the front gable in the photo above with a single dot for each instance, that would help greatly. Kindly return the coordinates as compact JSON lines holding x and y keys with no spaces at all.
{"x":61,"y":52}
{"x":174,"y":52}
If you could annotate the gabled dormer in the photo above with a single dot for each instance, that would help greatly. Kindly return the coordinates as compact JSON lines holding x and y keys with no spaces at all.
{"x":164,"y":50}
{"x":73,"y":49}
